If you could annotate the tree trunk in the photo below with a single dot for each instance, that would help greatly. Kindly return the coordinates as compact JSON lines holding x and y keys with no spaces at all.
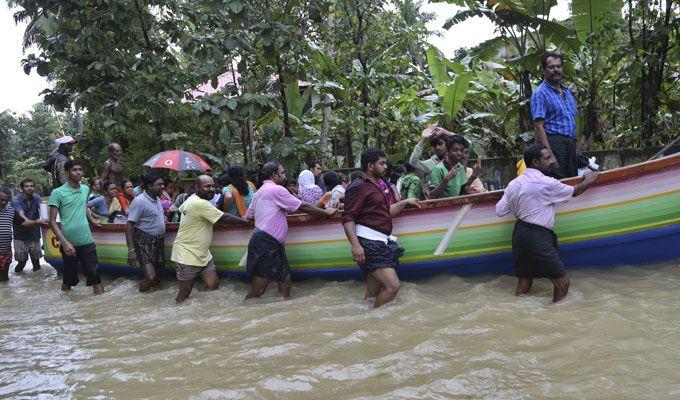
{"x":284,"y":101}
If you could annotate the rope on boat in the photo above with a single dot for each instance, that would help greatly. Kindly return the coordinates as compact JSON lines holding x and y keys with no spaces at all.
{"x":452,"y":229}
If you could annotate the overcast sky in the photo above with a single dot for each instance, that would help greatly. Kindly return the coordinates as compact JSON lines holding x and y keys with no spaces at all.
{"x":20,"y":91}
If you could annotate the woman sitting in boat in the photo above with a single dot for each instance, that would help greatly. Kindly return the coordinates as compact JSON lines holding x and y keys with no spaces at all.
{"x":238,"y":194}
{"x":104,"y":208}
{"x":336,"y":195}
{"x":308,"y":191}
{"x":126,"y":195}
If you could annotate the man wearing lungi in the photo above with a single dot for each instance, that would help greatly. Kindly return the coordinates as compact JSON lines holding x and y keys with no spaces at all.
{"x":367,"y":221}
{"x":531,"y":197}
{"x":266,"y":259}
{"x":145,"y":231}
{"x":191,"y":250}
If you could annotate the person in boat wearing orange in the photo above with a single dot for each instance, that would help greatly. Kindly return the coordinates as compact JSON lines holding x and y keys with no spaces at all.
{"x":474,"y":185}
{"x":238,"y":194}
{"x":531,"y":198}
{"x":126,"y":195}
{"x":367,"y":221}
{"x":191,"y":250}
{"x":266,"y":259}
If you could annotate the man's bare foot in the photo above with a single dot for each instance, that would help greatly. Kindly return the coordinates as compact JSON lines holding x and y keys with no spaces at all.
{"x":523,"y":286}
{"x":18,"y":269}
{"x":36,"y":268}
{"x":65,"y":287}
{"x":98,"y":288}
{"x":561,"y":288}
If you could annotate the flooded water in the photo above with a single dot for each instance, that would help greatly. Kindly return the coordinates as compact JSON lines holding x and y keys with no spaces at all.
{"x":615,"y":336}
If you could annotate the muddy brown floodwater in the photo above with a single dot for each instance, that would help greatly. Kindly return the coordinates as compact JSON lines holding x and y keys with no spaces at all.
{"x":616,"y":336}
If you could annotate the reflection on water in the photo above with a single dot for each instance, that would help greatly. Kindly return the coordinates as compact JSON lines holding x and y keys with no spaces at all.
{"x":615,"y":336}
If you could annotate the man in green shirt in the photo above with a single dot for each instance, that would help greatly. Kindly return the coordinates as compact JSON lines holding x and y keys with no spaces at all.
{"x":448,"y":177}
{"x":74,"y":235}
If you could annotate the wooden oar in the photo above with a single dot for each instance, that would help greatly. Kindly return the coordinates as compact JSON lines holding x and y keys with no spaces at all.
{"x":452,"y":229}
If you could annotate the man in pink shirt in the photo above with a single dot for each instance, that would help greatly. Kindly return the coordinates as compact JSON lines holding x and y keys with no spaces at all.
{"x":266,"y":252}
{"x":531,"y":197}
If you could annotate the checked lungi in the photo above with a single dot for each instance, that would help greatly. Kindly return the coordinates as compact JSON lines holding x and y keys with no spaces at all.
{"x":150,"y":249}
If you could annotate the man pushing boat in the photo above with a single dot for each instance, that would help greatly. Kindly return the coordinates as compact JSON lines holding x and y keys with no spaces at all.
{"x":531,"y":198}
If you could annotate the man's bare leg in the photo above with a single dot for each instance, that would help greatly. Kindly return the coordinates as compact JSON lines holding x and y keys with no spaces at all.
{"x":284,"y":288}
{"x":561,"y":288}
{"x":150,"y":277}
{"x":390,"y":285}
{"x":212,"y":281}
{"x":4,"y":274}
{"x":373,"y":287}
{"x":257,"y":287}
{"x":184,"y":290}
{"x":97,"y":288}
{"x":523,"y":286}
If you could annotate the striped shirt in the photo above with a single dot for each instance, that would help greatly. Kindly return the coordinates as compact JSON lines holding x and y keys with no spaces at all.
{"x":6,"y":219}
{"x":558,"y":113}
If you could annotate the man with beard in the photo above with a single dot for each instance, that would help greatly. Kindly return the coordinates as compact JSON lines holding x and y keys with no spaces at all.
{"x":191,"y":250}
{"x":367,"y":221}
{"x":27,"y":238}
{"x":531,"y":198}
{"x":553,"y":110}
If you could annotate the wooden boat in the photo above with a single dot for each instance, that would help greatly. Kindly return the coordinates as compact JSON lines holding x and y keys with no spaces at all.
{"x":631,"y":216}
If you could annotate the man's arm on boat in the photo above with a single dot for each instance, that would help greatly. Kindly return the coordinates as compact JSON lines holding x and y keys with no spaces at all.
{"x":351,"y":233}
{"x":589,"y":178}
{"x":502,"y":207}
{"x":313,"y":210}
{"x":232,"y":219}
{"x":399,"y":206}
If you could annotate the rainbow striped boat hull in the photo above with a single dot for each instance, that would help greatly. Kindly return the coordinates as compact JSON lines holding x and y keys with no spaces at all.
{"x":630,"y":217}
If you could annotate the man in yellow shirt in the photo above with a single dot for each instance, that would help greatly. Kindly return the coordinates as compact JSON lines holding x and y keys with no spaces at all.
{"x":191,"y":250}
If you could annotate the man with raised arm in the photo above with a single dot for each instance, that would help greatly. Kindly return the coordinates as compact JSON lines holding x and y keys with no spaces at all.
{"x":266,"y":259}
{"x":435,"y":135}
{"x":531,"y":198}
{"x":77,"y":245}
{"x":367,"y":221}
{"x":191,"y":250}
{"x":145,"y":231}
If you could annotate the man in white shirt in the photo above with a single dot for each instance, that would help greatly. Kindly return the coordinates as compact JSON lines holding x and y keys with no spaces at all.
{"x":531,"y":197}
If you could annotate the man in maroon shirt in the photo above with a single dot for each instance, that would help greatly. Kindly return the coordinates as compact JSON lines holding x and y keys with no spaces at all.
{"x":368,"y":225}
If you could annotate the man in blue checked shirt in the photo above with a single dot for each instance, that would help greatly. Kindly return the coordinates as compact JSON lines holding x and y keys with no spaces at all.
{"x":553,"y":110}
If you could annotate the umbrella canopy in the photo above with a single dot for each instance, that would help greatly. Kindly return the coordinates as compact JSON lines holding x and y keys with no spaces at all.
{"x":177,"y":160}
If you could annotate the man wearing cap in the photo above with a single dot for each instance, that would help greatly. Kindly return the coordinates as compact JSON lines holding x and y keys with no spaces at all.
{"x":55,"y":164}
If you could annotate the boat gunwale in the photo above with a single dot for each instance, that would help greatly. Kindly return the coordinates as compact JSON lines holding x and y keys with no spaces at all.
{"x":606,"y":177}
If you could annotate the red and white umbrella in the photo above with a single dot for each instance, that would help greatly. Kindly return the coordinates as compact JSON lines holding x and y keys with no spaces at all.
{"x":177,"y":160}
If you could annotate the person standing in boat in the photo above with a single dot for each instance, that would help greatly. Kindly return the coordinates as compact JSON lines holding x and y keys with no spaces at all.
{"x":112,"y":170}
{"x":145,"y":231}
{"x":191,"y":250}
{"x":449,"y":176}
{"x":367,"y":222}
{"x":554,"y":110}
{"x":77,"y":245}
{"x":266,"y":259}
{"x":56,"y":160}
{"x":435,"y":135}
{"x":531,"y":198}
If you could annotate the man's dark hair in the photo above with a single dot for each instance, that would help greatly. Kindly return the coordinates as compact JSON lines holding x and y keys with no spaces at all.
{"x":435,"y":139}
{"x":149,"y":179}
{"x":313,"y":164}
{"x":450,"y":140}
{"x":25,"y":181}
{"x":6,"y":192}
{"x":553,"y":54}
{"x":71,"y":163}
{"x":532,"y":153}
{"x":370,"y":155}
{"x":268,"y":170}
{"x":354,"y":175}
{"x":408,"y":168}
{"x":331,"y":179}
